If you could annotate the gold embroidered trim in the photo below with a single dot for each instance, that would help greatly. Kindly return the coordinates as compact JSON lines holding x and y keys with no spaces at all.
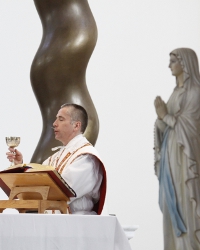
{"x":50,"y":161}
{"x":67,"y":158}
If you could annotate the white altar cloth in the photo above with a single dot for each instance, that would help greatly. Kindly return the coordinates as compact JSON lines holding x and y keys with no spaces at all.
{"x":61,"y":232}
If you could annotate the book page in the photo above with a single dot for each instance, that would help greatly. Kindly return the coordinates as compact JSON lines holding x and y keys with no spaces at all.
{"x":38,"y":167}
{"x":32,"y":167}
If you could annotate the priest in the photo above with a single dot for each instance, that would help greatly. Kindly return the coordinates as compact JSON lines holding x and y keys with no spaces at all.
{"x":77,"y":160}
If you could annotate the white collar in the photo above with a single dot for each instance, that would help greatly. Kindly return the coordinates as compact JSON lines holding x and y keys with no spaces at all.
{"x":72,"y":145}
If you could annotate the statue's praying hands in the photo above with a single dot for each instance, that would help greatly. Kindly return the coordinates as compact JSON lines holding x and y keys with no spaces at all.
{"x":161,"y":108}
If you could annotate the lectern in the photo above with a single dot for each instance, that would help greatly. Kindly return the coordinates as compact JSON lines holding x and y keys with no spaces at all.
{"x":35,"y":190}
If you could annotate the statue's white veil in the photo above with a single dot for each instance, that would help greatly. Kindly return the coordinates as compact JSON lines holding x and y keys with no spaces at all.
{"x":189,"y":62}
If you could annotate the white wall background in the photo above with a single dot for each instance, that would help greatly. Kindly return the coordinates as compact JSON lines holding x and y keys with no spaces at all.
{"x":128,"y":68}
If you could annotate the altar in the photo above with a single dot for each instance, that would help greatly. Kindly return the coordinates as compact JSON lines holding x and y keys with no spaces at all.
{"x":61,"y":232}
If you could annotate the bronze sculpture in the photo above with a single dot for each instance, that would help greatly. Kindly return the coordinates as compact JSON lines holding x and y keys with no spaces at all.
{"x":59,"y":67}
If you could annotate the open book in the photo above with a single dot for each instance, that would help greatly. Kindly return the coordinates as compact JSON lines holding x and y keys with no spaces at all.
{"x":44,"y":172}
{"x":30,"y":167}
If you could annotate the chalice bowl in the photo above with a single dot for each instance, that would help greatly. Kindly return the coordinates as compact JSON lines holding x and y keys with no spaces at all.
{"x":12,"y":142}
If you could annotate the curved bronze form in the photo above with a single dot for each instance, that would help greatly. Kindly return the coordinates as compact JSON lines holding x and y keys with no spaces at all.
{"x":58,"y":69}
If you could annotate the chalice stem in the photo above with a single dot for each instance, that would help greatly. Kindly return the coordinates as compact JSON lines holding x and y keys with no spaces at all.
{"x":13,"y":161}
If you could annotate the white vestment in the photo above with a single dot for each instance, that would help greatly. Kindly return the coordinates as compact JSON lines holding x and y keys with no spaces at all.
{"x":83,"y":174}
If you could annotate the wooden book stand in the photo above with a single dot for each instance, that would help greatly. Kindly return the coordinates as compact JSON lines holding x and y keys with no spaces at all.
{"x":32,"y":191}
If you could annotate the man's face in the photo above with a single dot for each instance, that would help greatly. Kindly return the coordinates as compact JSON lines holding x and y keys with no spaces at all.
{"x":64,"y":128}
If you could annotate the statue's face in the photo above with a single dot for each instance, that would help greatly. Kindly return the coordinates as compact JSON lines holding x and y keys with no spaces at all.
{"x":175,"y":66}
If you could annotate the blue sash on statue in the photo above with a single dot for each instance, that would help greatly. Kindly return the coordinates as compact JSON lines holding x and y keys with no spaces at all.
{"x":166,"y":189}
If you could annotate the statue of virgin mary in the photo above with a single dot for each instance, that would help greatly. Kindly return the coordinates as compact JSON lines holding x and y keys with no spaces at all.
{"x":177,"y":154}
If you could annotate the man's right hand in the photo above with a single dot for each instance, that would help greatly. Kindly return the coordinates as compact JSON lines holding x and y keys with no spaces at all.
{"x":14,"y":156}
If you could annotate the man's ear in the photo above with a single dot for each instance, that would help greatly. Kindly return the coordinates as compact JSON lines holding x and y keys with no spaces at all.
{"x":77,"y":125}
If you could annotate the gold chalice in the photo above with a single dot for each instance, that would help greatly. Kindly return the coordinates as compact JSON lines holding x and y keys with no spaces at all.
{"x":12,"y":142}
